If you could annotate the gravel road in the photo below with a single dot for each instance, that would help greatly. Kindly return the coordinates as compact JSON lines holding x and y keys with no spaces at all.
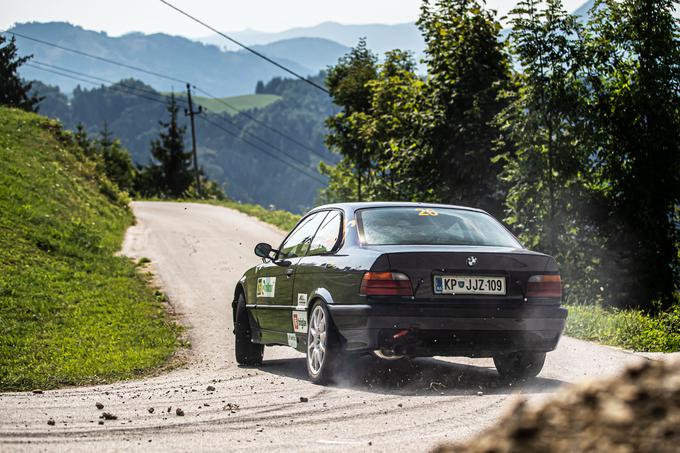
{"x":198,"y":253}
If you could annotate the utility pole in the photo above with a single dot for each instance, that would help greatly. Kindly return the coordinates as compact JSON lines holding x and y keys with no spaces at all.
{"x":190,"y":113}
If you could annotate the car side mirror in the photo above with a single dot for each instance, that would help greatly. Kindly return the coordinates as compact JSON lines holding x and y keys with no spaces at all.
{"x":263,"y":250}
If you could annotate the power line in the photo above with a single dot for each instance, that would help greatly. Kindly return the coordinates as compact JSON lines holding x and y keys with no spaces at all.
{"x":275,"y":156}
{"x":106,"y":60}
{"x":233,"y":134}
{"x":259,"y":121}
{"x":70,"y":76}
{"x":154,"y":93}
{"x":264,"y":57}
{"x":219,"y":100}
{"x":151,"y":92}
{"x":259,"y":139}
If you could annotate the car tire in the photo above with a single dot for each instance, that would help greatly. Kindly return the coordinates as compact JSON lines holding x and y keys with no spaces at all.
{"x":324,"y":352}
{"x":247,"y":352}
{"x":519,"y":365}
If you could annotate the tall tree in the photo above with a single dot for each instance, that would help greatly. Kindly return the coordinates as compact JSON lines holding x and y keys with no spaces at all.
{"x":634,"y":56}
{"x":348,"y":85}
{"x":467,"y":70}
{"x":547,"y":167}
{"x":13,"y":91}
{"x":170,"y":175}
{"x":400,"y":112}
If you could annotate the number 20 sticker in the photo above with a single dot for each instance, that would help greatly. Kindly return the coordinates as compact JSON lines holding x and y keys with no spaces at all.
{"x":427,"y":212}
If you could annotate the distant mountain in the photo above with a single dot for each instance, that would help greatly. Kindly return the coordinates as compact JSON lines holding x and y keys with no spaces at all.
{"x":582,"y":11}
{"x":219,"y":72}
{"x":380,"y":37}
{"x":313,"y":53}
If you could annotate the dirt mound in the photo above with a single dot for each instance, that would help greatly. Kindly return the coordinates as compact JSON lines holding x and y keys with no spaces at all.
{"x":637,"y":411}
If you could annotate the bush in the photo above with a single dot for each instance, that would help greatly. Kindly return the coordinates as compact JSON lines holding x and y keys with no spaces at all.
{"x":629,"y":329}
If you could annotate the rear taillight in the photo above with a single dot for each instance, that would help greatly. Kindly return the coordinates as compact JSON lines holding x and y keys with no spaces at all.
{"x":544,"y":286}
{"x":385,"y":284}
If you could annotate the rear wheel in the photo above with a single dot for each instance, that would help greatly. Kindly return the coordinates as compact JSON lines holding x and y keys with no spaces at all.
{"x":519,"y":365}
{"x":247,"y":352}
{"x":323,"y":348}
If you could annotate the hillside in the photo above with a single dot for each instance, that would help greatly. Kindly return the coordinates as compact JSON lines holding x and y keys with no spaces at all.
{"x":313,"y":53}
{"x":221,"y":73}
{"x":380,"y":37}
{"x":245,"y":102}
{"x":233,"y":148}
{"x":71,"y":311}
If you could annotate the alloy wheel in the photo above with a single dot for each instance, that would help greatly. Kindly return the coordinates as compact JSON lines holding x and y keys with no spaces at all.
{"x":317,"y":340}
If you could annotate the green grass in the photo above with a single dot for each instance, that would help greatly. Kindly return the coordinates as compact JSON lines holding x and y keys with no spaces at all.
{"x":71,"y":312}
{"x":629,"y":329}
{"x":245,"y":102}
{"x":283,"y":220}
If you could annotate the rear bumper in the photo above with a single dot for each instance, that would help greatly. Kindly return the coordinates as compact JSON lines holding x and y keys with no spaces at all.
{"x":435,"y":329}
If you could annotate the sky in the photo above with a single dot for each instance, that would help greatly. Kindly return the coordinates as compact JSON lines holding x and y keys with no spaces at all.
{"x":117,"y":17}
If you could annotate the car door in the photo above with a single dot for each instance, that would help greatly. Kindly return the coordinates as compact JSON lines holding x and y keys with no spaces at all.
{"x":316,"y":269}
{"x":274,"y":291}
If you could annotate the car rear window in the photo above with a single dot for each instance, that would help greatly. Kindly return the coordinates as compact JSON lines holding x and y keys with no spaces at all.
{"x":431,"y":226}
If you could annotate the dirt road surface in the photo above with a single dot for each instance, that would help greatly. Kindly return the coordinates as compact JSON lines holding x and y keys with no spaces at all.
{"x":199,"y":252}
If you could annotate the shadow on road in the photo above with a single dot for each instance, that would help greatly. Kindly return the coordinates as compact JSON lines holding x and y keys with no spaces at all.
{"x":415,"y":377}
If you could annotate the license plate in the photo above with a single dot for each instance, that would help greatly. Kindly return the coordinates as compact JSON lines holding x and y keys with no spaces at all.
{"x":469,"y":284}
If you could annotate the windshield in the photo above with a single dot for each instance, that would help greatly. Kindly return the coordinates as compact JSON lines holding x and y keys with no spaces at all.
{"x":431,"y":226}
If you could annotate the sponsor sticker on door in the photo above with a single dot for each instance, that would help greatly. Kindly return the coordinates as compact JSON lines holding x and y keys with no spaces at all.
{"x":302,"y":300}
{"x":300,"y":321}
{"x":266,"y":286}
{"x":292,"y":340}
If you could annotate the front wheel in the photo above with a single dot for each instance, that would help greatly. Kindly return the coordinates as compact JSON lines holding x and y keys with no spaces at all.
{"x":247,"y":352}
{"x":323,"y":348}
{"x":519,"y":365}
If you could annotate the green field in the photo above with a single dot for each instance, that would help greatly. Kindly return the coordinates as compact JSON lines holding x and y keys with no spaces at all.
{"x":245,"y":102}
{"x":71,"y":312}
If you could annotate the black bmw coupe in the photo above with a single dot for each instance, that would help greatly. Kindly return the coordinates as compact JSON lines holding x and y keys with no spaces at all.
{"x":400,"y":280}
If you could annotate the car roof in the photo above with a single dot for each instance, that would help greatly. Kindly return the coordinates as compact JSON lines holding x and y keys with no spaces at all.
{"x":354,"y":206}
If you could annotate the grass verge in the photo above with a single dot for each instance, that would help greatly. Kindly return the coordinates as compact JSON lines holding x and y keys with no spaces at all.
{"x":71,"y":312}
{"x":283,"y":220}
{"x":629,"y":329}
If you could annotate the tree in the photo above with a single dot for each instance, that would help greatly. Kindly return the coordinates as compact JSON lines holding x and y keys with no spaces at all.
{"x":348,"y":85}
{"x":633,"y":54}
{"x":399,"y":113}
{"x":550,"y":182}
{"x":116,"y":161}
{"x":13,"y":91}
{"x":467,"y":70}
{"x":171,"y":173}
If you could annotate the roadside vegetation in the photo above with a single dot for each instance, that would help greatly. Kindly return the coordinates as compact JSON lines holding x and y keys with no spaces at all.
{"x":71,"y":312}
{"x":283,"y":220}
{"x":630,"y":329}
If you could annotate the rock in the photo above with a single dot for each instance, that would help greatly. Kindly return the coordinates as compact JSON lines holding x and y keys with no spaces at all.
{"x":304,"y":399}
{"x":108,"y":416}
{"x":99,"y":405}
{"x":231,"y":407}
{"x":38,"y":391}
{"x":50,"y":422}
{"x":637,"y":410}
{"x":151,"y":409}
{"x":101,"y":422}
{"x":480,"y":393}
{"x":210,"y":388}
{"x":179,"y":412}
